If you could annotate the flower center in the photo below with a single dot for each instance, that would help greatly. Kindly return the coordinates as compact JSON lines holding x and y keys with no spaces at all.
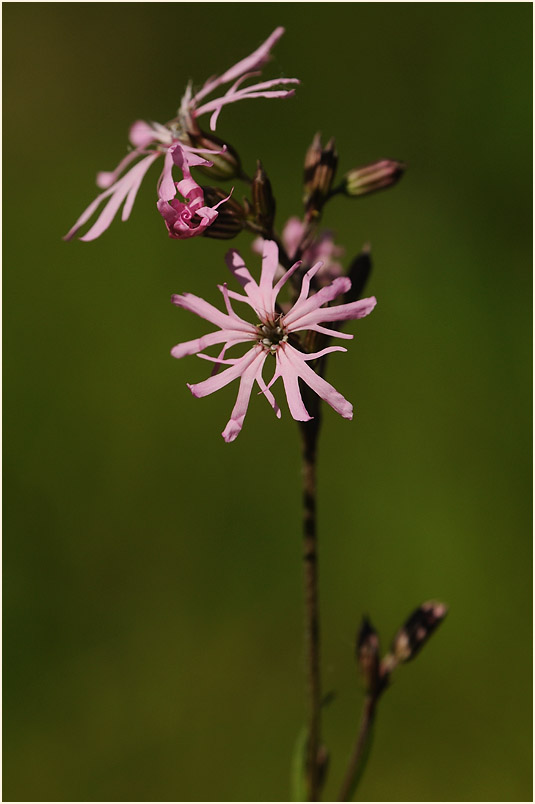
{"x":271,"y":333}
{"x":176,"y":129}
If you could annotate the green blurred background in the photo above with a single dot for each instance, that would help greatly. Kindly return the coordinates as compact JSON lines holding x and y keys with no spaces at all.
{"x":152,"y":578}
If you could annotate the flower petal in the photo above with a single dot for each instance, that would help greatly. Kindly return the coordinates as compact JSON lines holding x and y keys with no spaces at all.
{"x":141,"y":134}
{"x":326,"y":294}
{"x":340,"y":312}
{"x":316,"y":355}
{"x":267,"y":393}
{"x":290,"y":378}
{"x":292,"y":234}
{"x":238,"y":269}
{"x":251,"y":63}
{"x":117,"y":194}
{"x":284,"y":278}
{"x":321,"y":387}
{"x":219,"y":381}
{"x":105,"y":178}
{"x":198,"y":344}
{"x":166,"y":185}
{"x":237,"y":416}
{"x":138,"y":177}
{"x":270,"y":262}
{"x":202,"y":308}
{"x":334,"y":333}
{"x":216,"y":105}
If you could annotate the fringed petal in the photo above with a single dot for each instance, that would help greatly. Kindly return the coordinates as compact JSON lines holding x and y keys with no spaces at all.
{"x":320,"y":386}
{"x":235,"y":423}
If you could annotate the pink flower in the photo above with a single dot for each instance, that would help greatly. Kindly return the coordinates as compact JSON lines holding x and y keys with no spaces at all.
{"x":270,"y":337}
{"x":322,"y":248}
{"x":191,"y":109}
{"x":192,"y":217}
{"x":173,"y":142}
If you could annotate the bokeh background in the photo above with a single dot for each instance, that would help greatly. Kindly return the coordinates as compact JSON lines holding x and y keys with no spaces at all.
{"x":152,"y":578}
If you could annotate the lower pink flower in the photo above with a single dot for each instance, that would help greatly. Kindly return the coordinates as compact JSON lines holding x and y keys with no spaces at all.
{"x":270,"y":337}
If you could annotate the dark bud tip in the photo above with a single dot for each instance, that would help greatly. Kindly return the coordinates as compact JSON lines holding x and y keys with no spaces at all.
{"x":413,"y":635}
{"x":320,"y":168}
{"x":371,"y":178}
{"x":368,"y":654}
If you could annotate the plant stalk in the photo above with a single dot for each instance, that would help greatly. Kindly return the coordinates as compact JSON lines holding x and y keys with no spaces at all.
{"x":309,"y":433}
{"x":361,"y":750}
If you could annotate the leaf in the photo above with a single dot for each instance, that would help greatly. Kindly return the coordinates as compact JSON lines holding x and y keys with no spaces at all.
{"x":299,"y":761}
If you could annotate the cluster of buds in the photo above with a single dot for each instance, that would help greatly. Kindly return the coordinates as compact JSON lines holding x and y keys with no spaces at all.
{"x":407,"y":643}
{"x":320,"y":169}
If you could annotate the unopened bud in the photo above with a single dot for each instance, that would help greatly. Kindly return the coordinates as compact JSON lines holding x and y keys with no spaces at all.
{"x":320,"y":168}
{"x":413,"y":635}
{"x":368,"y":654}
{"x":359,"y":272}
{"x":231,"y":215}
{"x":370,"y":178}
{"x":263,"y":201}
{"x":226,"y":162}
{"x":312,"y":160}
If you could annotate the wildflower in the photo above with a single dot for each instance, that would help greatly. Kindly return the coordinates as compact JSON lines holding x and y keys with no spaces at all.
{"x":270,"y":337}
{"x":178,"y":142}
{"x":190,"y":217}
{"x":191,"y":107}
{"x":322,"y":248}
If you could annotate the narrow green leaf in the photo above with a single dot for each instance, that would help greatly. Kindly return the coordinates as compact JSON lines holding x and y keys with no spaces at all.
{"x":299,"y":787}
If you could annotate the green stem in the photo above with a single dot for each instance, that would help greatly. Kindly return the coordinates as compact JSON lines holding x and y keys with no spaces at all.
{"x":361,"y":750}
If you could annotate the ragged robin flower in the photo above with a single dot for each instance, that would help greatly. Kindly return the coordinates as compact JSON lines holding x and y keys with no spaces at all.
{"x":177,"y":142}
{"x":273,"y":335}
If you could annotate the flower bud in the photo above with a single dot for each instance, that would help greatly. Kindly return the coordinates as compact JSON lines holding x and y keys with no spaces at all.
{"x":231,"y":215}
{"x":263,"y":206}
{"x":312,"y":160}
{"x":370,"y":178}
{"x":368,"y":654}
{"x":320,"y":168}
{"x":226,"y":164}
{"x":413,"y":635}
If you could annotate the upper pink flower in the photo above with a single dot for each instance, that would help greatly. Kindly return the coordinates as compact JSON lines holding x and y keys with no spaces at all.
{"x":270,"y":336}
{"x":172,"y":141}
{"x":191,"y":217}
{"x":322,"y":248}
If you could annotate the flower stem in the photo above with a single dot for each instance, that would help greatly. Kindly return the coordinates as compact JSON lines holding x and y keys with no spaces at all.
{"x":361,"y":750}
{"x":309,"y":433}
